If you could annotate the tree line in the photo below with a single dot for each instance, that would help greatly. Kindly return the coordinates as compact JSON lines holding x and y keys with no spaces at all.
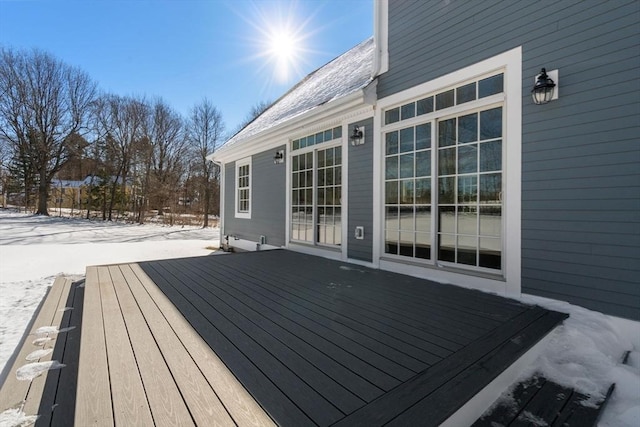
{"x":135,"y":154}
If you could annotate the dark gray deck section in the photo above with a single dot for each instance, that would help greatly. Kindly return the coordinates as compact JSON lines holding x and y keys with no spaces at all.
{"x":320,"y":342}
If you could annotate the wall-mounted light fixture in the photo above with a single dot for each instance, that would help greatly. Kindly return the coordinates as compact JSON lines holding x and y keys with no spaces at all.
{"x":279,"y":157}
{"x":357,"y":136}
{"x":544,"y":89}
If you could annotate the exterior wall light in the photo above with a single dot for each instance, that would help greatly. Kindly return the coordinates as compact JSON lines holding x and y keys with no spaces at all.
{"x":279,"y":157}
{"x":357,"y":136}
{"x":544,"y":89}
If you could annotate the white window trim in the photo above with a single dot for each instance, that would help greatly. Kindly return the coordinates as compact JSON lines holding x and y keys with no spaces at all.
{"x":510,"y":63}
{"x":239,"y":163}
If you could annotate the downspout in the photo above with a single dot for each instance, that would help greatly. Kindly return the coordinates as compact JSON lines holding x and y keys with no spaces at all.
{"x":376,"y":39}
{"x":380,"y":35}
{"x":221,"y":216}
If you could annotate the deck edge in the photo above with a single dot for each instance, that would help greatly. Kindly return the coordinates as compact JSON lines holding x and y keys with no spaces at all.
{"x":473,"y":409}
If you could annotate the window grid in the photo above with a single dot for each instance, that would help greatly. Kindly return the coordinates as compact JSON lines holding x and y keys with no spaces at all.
{"x":302,"y":197}
{"x":467,"y":92}
{"x":316,"y":194}
{"x":470,"y":189}
{"x":408,"y":191}
{"x":243,"y":188}
{"x":467,"y":183}
{"x":317,"y":138}
{"x":329,"y":195}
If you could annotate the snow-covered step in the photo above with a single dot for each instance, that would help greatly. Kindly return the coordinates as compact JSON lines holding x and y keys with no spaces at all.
{"x":22,"y":394}
{"x":540,"y":402}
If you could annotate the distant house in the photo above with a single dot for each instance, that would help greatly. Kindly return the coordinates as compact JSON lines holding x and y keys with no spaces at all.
{"x":67,"y":193}
{"x":422,"y":151}
{"x":73,"y":194}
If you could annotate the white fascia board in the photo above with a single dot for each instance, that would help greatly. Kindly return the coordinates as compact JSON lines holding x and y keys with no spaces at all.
{"x":280,"y":134}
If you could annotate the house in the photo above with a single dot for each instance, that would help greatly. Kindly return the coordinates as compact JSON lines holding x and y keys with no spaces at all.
{"x":68,"y":193}
{"x":421,"y":151}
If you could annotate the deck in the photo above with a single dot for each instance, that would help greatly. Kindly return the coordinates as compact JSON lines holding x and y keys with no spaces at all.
{"x":279,"y":337}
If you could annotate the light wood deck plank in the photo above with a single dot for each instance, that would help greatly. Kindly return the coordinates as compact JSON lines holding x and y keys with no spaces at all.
{"x":240,"y":404}
{"x":127,"y":392}
{"x":166,"y":403}
{"x":204,"y":405}
{"x":36,"y":397}
{"x":14,"y":392}
{"x":93,"y":404}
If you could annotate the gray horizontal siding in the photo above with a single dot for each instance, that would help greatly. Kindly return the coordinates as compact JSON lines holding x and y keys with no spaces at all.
{"x":581,"y":153}
{"x":361,"y":194}
{"x":268,"y":203}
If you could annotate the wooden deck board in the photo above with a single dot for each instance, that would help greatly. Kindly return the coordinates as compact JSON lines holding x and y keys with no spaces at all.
{"x":253,"y":325}
{"x":240,"y":404}
{"x":93,"y":403}
{"x":16,"y":393}
{"x":200,"y":398}
{"x":308,"y":399}
{"x":323,"y":354}
{"x":36,"y":396}
{"x":166,"y":403}
{"x":66,"y":384}
{"x":127,"y":391}
{"x":275,"y":402}
{"x":383,"y":347}
{"x":388,"y":330}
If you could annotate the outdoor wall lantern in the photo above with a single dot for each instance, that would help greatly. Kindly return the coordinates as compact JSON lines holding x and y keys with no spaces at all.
{"x":279,"y":157}
{"x":357,"y":136}
{"x":544,"y":89}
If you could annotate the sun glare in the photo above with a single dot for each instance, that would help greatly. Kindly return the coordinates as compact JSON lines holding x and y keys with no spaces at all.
{"x":284,"y":51}
{"x":280,"y":37}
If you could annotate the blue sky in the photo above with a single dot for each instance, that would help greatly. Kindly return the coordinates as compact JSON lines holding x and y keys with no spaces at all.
{"x":184,"y":50}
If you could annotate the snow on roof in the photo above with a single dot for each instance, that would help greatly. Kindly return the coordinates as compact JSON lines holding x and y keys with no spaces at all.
{"x":344,"y":75}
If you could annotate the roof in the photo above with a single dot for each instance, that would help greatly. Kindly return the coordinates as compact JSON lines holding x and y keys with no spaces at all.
{"x":342,"y":76}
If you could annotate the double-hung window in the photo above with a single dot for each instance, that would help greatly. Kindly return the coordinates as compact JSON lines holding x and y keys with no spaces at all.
{"x":443,"y":177}
{"x":243,"y":188}
{"x":316,"y":188}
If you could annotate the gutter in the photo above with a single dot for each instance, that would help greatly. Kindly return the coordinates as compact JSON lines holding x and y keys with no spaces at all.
{"x":288,"y":127}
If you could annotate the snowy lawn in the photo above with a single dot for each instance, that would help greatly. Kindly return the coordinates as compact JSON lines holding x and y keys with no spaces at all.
{"x":584,"y":353}
{"x":35,"y":249}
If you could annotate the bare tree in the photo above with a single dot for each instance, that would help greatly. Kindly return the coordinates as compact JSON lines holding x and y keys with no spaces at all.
{"x":167,"y":140}
{"x":120,"y":123}
{"x":205,"y":130}
{"x":254,"y":112}
{"x":43,"y":101}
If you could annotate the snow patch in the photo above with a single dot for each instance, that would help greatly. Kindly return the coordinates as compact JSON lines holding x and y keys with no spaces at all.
{"x":33,"y":370}
{"x":44,"y":331}
{"x":35,"y":355}
{"x":16,"y":418}
{"x":41,"y":341}
{"x":531,"y":419}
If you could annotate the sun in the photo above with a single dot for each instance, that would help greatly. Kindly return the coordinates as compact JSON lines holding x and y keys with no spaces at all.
{"x":279,"y":39}
{"x":284,"y":51}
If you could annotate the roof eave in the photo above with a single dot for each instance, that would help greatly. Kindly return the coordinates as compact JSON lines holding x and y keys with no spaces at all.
{"x":271,"y":137}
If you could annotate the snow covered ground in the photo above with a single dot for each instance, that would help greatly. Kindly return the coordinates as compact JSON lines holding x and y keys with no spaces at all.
{"x":584,"y":353}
